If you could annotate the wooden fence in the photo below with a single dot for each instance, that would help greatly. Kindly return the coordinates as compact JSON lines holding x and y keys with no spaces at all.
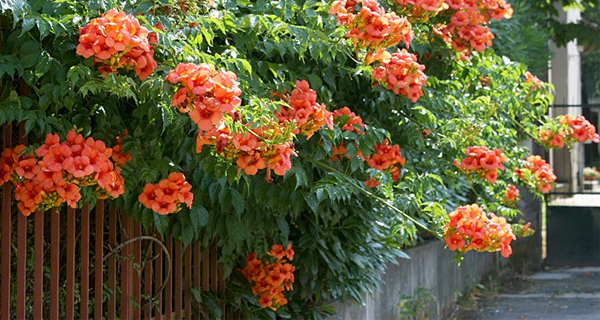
{"x":96,"y":262}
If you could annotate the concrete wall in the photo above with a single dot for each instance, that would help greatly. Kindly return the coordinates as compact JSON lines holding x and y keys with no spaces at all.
{"x":430,"y":267}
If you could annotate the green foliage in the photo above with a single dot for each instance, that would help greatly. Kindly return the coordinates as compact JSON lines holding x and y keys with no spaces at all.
{"x":415,"y":306}
{"x":343,"y":233}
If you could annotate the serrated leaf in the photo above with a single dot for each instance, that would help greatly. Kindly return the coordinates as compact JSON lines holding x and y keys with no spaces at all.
{"x":237,"y":201}
{"x":187,"y":229}
{"x":199,"y":216}
{"x":147,"y":219}
{"x":284,"y":227}
{"x":161,"y":222}
{"x":312,"y":202}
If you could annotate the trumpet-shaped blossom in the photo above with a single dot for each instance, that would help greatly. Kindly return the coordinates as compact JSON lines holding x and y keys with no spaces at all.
{"x":117,"y":40}
{"x":168,"y":195}
{"x":272,"y":276}
{"x":470,"y":228}
{"x":537,"y":173}
{"x":371,"y":27}
{"x":482,"y":161}
{"x":56,"y":172}
{"x":401,"y":73}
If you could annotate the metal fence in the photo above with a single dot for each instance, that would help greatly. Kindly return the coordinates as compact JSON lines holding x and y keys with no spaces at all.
{"x":96,"y":262}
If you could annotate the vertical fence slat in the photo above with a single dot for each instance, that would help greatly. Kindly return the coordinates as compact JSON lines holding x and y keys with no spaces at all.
{"x":112,"y":264}
{"x":206,"y":270}
{"x":21,"y":233}
{"x":147,"y":311}
{"x":98,"y":262}
{"x":214,"y":269}
{"x":38,"y":277}
{"x":197,"y":255}
{"x":169,"y":288}
{"x":70,"y":261}
{"x":54,"y":264}
{"x":136,"y":276}
{"x":21,"y":264}
{"x":178,"y":279}
{"x":5,"y":277}
{"x":85,"y":262}
{"x":188,"y":282}
{"x":158,"y":278}
{"x":125,"y":268}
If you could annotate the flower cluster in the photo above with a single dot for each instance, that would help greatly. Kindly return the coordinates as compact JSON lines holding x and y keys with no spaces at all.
{"x":57,"y":170}
{"x":467,"y":28}
{"x":421,"y":10}
{"x":566,"y":130}
{"x":511,"y":196}
{"x":304,"y":110}
{"x":255,"y":149}
{"x":167,"y":196}
{"x":470,"y":228}
{"x":533,"y":81}
{"x":522,"y":229}
{"x":371,"y":27}
{"x":537,"y":173}
{"x":348,"y":120}
{"x":401,"y":73}
{"x":271,"y":278}
{"x":482,"y":161}
{"x":386,"y":158}
{"x":116,"y":40}
{"x":118,"y":156}
{"x":204,"y":93}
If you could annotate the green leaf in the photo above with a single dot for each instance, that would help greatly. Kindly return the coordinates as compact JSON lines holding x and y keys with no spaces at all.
{"x":237,"y":201}
{"x":199,"y":216}
{"x":187,"y":228}
{"x":161,"y":222}
{"x":28,"y":24}
{"x":283,"y":226}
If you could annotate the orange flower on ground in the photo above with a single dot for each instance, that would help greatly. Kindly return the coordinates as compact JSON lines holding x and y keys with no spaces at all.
{"x":168,"y":195}
{"x":271,"y":277}
{"x":470,"y":228}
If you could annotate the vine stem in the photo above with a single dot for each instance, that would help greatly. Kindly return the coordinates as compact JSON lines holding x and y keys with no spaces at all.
{"x":163,"y":249}
{"x":371,"y":194}
{"x":523,"y":128}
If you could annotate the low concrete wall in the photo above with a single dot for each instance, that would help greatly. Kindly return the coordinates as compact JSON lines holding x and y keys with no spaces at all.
{"x":430,"y":267}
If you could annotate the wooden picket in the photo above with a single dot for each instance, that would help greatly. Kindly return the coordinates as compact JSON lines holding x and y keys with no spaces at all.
{"x":100,"y":263}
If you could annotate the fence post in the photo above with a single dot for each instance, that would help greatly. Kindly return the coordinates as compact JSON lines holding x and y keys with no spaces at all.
{"x":99,"y":260}
{"x":85,"y":262}
{"x":5,"y":278}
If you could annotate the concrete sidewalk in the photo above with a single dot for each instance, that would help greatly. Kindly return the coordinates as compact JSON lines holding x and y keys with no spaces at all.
{"x":570,"y":293}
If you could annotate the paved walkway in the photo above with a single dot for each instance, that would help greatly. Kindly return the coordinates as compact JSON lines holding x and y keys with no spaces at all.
{"x":564,"y":294}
